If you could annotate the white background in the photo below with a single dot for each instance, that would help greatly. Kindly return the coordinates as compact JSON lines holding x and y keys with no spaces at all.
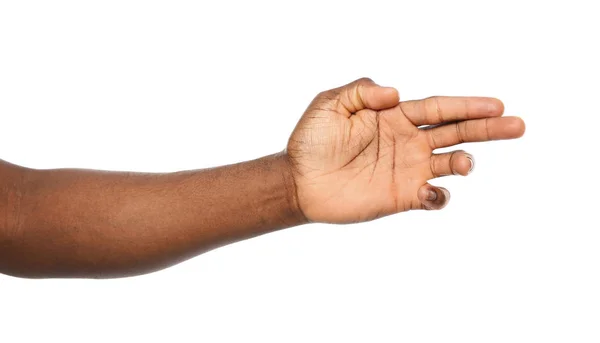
{"x":172,"y":85}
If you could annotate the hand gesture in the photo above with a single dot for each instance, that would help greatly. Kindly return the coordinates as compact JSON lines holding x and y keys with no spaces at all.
{"x":358,"y":153}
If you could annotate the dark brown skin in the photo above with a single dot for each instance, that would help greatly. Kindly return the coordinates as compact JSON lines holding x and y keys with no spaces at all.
{"x":357,"y":154}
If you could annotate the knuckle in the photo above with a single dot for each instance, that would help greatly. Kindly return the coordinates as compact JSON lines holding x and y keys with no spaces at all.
{"x":364,"y":80}
{"x":324,"y":94}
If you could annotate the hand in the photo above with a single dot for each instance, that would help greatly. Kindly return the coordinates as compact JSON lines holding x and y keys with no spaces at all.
{"x":358,"y":154}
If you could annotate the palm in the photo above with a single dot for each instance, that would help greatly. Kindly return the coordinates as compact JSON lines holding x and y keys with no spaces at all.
{"x":355,"y":164}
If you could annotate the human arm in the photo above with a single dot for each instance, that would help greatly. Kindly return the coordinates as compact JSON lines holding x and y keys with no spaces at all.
{"x":357,"y":154}
{"x":86,"y":223}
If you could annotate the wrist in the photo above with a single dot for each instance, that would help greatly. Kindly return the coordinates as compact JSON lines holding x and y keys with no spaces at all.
{"x":285,"y":167}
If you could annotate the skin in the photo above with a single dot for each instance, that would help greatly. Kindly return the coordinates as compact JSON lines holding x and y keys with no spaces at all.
{"x":357,"y":154}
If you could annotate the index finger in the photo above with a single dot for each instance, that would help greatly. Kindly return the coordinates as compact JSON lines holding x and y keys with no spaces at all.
{"x":441,"y":109}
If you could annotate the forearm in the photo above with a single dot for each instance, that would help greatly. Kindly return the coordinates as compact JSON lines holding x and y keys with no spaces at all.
{"x":82,"y":223}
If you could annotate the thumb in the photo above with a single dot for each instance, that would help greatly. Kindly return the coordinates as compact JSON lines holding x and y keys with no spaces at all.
{"x":366,"y":94}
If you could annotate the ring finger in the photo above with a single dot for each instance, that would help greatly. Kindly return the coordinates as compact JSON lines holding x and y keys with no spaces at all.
{"x":451,"y":163}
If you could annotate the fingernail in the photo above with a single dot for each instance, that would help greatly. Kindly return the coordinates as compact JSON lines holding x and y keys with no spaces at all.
{"x":446,"y":194}
{"x":431,"y":195}
{"x":472,"y":160}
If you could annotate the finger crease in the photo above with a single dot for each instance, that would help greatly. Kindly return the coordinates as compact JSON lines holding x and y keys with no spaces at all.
{"x":361,"y":103}
{"x":459,"y":133}
{"x":438,"y":110}
{"x":432,"y":166}
{"x":452,"y":155}
{"x":487,"y":131}
{"x":432,"y":143}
